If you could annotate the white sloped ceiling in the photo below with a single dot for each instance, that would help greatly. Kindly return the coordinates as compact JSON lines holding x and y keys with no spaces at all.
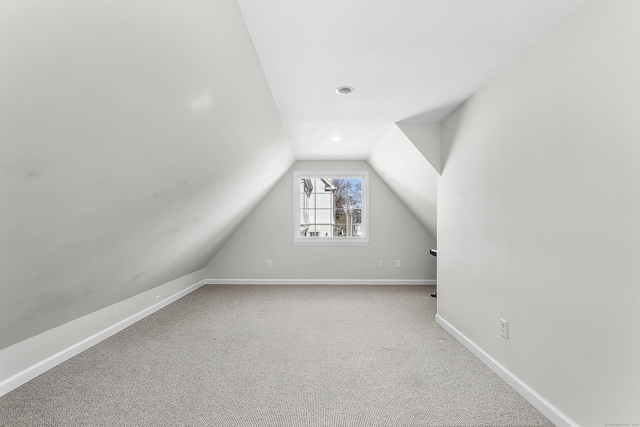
{"x":409,"y":172}
{"x":408,"y":60}
{"x":134,"y":138}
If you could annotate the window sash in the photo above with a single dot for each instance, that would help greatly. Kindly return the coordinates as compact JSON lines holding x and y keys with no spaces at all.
{"x":327,"y":211}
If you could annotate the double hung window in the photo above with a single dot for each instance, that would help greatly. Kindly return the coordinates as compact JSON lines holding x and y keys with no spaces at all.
{"x":331,"y":208}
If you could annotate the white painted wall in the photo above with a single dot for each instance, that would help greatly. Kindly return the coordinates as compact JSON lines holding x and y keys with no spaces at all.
{"x":427,"y":137}
{"x":134,"y":138}
{"x":538,"y":208}
{"x":267,"y":234}
{"x":406,"y":170}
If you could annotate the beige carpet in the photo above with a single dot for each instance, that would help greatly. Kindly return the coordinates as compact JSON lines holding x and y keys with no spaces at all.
{"x":276,"y":356}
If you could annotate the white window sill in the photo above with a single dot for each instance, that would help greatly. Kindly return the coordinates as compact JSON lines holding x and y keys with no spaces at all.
{"x":323,"y":241}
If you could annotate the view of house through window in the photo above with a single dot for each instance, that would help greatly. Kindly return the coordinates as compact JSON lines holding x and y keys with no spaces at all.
{"x":330,"y":207}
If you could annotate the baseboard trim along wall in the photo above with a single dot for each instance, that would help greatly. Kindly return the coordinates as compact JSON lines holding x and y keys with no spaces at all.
{"x":416,"y":282}
{"x":547,"y":409}
{"x":14,"y":374}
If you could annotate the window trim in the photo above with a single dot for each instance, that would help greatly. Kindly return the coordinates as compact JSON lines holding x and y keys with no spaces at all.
{"x":330,"y":241}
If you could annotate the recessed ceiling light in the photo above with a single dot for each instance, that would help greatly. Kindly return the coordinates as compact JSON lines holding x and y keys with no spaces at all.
{"x":344,"y":90}
{"x":336,"y":138}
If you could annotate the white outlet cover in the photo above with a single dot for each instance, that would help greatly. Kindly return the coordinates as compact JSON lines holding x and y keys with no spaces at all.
{"x":504,"y":328}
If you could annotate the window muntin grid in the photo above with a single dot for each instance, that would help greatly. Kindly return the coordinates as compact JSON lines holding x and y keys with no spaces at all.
{"x":331,"y":207}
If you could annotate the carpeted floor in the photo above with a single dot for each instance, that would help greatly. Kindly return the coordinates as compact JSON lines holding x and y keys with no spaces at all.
{"x":276,"y":356}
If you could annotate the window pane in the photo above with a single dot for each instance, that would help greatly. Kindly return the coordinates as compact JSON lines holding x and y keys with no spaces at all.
{"x":355,"y":200}
{"x":330,"y":206}
{"x":340,"y":185}
{"x":325,"y":231}
{"x":355,"y":184}
{"x":324,"y":200}
{"x":357,"y":216}
{"x":355,"y":192}
{"x":323,"y":216}
{"x":319,"y":185}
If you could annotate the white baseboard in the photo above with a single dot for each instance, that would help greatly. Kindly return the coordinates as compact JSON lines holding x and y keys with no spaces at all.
{"x":14,"y":352}
{"x":547,"y":409}
{"x":417,"y":282}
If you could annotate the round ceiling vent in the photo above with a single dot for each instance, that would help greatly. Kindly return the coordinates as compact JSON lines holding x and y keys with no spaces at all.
{"x":344,"y":90}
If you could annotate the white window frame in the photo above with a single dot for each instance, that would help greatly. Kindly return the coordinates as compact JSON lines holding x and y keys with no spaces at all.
{"x":330,"y":241}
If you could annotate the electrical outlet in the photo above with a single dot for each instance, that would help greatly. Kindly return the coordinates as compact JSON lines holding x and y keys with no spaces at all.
{"x":397,"y":263}
{"x":504,"y":328}
{"x":158,"y":298}
{"x":268,"y":263}
{"x":380,"y":263}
